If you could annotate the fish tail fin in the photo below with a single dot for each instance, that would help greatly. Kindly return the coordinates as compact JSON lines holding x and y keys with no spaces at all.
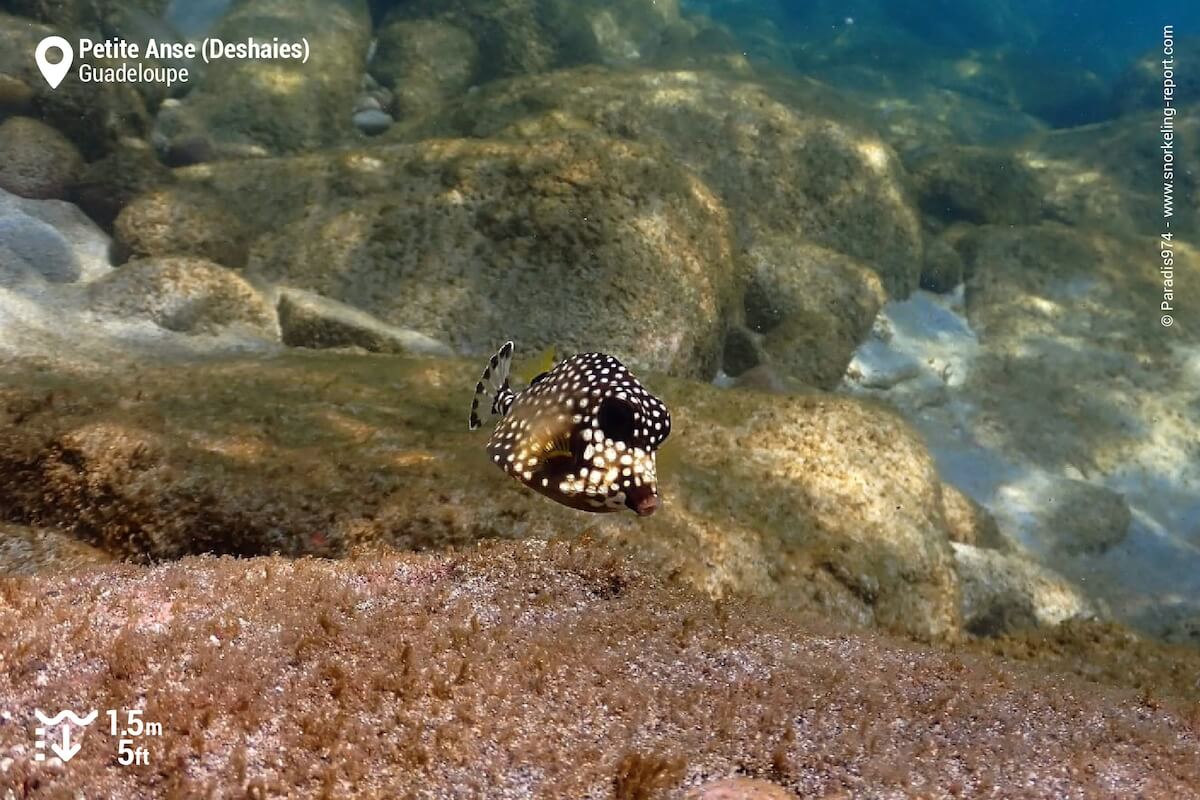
{"x":493,"y":383}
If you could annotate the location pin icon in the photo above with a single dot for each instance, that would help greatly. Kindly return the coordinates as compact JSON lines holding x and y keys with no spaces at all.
{"x":54,"y":73}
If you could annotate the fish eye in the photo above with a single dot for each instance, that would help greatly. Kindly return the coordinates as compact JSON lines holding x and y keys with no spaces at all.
{"x":616,"y":419}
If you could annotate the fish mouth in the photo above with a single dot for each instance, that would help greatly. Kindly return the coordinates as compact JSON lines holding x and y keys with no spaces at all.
{"x":643,"y":504}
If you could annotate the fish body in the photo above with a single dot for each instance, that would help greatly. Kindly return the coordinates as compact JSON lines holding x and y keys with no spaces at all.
{"x":583,"y":433}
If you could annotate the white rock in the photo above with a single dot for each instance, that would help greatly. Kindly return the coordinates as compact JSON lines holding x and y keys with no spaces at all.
{"x":1003,"y":592}
{"x":372,"y":122}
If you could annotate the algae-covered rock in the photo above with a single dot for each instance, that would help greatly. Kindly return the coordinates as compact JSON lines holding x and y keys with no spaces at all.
{"x":109,"y":184}
{"x":15,"y":94}
{"x":36,"y":160}
{"x":781,"y":170}
{"x":309,"y":320}
{"x":575,"y":243}
{"x":978,"y":184}
{"x":812,"y":307}
{"x":517,"y":37}
{"x":259,"y":107}
{"x":1006,"y":592}
{"x":186,"y":295}
{"x":943,"y":267}
{"x":970,"y":523}
{"x":1140,"y":85}
{"x":93,"y":116}
{"x":27,"y":550}
{"x":1104,"y":177}
{"x":172,"y":222}
{"x":97,"y":15}
{"x":813,"y":501}
{"x":424,"y":62}
{"x":535,"y":670}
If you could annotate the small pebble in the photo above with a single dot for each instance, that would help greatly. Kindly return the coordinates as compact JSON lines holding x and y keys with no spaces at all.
{"x":15,"y":94}
{"x":383,"y":96}
{"x":367,"y":103}
{"x":372,"y":122}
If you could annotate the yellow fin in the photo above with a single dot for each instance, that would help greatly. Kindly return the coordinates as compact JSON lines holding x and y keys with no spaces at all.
{"x":669,"y":454}
{"x":531,"y":368}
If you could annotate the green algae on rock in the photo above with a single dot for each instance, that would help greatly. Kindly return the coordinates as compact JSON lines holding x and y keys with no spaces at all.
{"x":425,"y":63}
{"x":817,"y":502}
{"x":187,"y":295}
{"x":779,"y":169}
{"x":517,"y":37}
{"x":36,"y":161}
{"x":811,"y":306}
{"x":253,"y":107}
{"x":568,"y":243}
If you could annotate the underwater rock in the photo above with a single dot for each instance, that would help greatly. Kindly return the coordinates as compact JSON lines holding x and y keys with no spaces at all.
{"x":35,"y":160}
{"x":93,"y":116}
{"x":424,"y":62}
{"x":1103,"y":176}
{"x":94,"y":15}
{"x":742,"y":351}
{"x":568,"y":242}
{"x":523,"y":657}
{"x":53,"y":239}
{"x":970,"y":523}
{"x":943,"y":267}
{"x":267,"y":107}
{"x":785,"y":171}
{"x":310,"y":320}
{"x":812,"y":306}
{"x":15,"y":94}
{"x":1061,"y":371}
{"x":185,"y":295}
{"x":372,"y":121}
{"x":108,"y":185}
{"x":39,"y":551}
{"x":1140,"y":86}
{"x":977,"y":184}
{"x":809,"y":501}
{"x":175,"y":222}
{"x":517,"y":37}
{"x":1003,"y":592}
{"x":31,"y":248}
{"x":1073,"y":517}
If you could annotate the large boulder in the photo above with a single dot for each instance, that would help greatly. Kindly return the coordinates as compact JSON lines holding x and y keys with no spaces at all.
{"x":246,"y":107}
{"x":35,"y":160}
{"x":93,"y":116}
{"x":977,"y":184}
{"x":424,"y":63}
{"x":185,"y":295}
{"x":780,"y":169}
{"x":574,"y":243}
{"x":1104,"y":176}
{"x":1006,"y":592}
{"x":808,"y":307}
{"x":50,"y":238}
{"x":517,"y":37}
{"x":815,"y":502}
